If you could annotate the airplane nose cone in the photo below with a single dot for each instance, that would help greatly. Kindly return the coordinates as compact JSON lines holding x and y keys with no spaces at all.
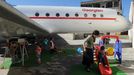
{"x":129,"y":25}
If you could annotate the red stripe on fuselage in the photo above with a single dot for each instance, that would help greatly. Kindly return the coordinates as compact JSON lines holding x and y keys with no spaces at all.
{"x":76,"y":18}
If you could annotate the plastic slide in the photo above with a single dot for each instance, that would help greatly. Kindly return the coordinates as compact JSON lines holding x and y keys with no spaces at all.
{"x":105,"y":70}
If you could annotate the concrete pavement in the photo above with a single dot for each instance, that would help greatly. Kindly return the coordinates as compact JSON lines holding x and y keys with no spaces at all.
{"x":128,"y":61}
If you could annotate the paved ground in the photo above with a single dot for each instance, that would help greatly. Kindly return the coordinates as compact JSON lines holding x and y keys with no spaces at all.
{"x":55,"y":67}
{"x":61,"y":67}
{"x":128,"y":61}
{"x":1,"y":60}
{"x":4,"y":71}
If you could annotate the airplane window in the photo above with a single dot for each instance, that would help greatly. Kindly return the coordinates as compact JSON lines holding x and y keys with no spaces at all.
{"x":118,"y":13}
{"x":101,"y":15}
{"x":47,"y":14}
{"x":67,"y":14}
{"x":37,"y":14}
{"x":57,"y":14}
{"x":85,"y":15}
{"x":76,"y":14}
{"x":94,"y":15}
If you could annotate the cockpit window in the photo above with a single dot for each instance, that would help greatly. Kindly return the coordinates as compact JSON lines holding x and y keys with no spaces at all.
{"x":118,"y":13}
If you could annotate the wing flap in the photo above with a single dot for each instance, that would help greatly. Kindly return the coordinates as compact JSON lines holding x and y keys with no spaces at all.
{"x":10,"y":13}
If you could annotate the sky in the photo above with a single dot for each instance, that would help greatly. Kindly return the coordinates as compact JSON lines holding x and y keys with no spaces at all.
{"x":46,"y":2}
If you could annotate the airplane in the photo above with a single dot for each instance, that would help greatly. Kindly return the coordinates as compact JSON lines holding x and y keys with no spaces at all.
{"x":59,"y":19}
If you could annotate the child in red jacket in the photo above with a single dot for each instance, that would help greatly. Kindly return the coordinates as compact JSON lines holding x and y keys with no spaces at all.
{"x":38,"y":51}
{"x":102,"y":56}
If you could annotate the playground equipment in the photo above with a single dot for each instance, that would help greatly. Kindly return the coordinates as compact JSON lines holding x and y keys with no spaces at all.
{"x":23,"y":50}
{"x":116,"y":50}
{"x":103,"y":70}
{"x":110,"y":51}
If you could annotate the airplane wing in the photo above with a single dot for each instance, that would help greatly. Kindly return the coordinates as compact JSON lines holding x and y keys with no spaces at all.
{"x":9,"y":13}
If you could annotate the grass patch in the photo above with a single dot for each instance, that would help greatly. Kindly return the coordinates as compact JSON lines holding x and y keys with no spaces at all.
{"x":117,"y":71}
{"x":32,"y":60}
{"x":46,"y":57}
{"x":68,"y":52}
{"x":76,"y":69}
{"x":6,"y":64}
{"x":79,"y":70}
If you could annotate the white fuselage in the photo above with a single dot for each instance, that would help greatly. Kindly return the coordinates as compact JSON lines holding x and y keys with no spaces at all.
{"x":75,"y":19}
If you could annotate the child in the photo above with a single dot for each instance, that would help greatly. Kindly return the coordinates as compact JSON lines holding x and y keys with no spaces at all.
{"x":38,"y":51}
{"x":102,"y":56}
{"x":45,"y":43}
{"x":89,"y":47}
{"x":52,"y":45}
